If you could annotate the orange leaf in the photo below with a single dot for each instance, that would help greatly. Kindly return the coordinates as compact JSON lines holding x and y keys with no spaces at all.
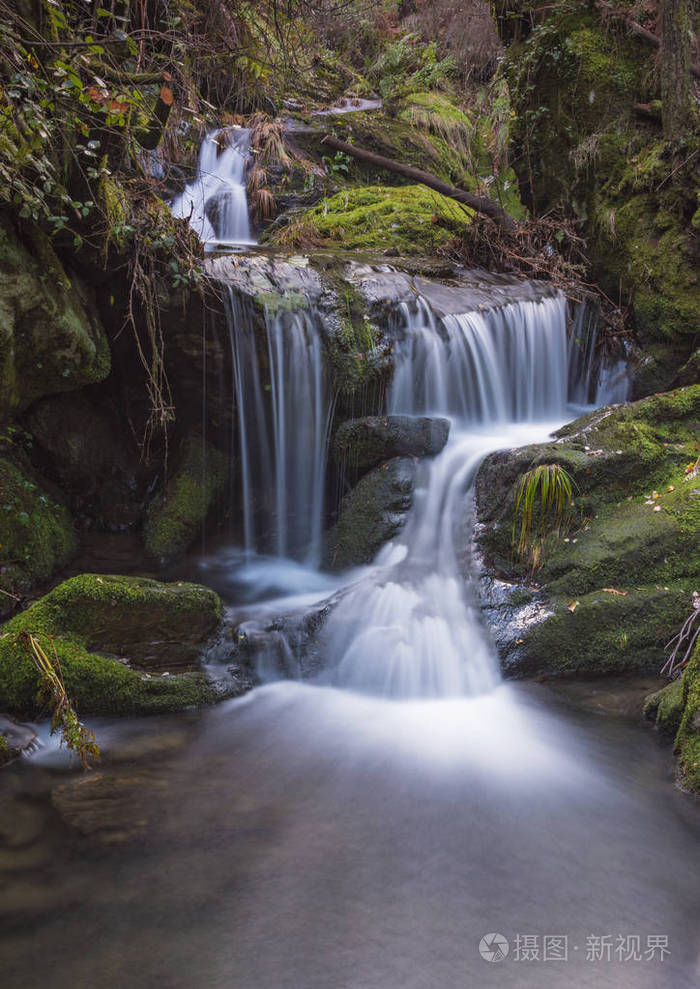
{"x":614,"y":590}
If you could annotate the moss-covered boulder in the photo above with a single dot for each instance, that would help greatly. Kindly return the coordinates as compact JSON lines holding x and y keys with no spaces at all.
{"x":405,"y":220}
{"x":37,"y":536}
{"x":176,"y":518}
{"x":371,"y":514}
{"x":614,"y":583}
{"x":361,"y":444}
{"x":99,"y":623}
{"x":676,"y":711}
{"x":51,"y":339}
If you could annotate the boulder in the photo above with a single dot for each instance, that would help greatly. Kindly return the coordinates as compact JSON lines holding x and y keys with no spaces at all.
{"x":361,"y":444}
{"x":371,"y":514}
{"x":614,"y":584}
{"x":108,"y":632}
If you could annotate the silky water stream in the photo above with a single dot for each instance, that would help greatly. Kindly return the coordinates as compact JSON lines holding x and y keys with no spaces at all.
{"x":405,"y":820}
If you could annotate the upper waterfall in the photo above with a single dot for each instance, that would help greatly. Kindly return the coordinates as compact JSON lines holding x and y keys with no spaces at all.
{"x":215,"y":202}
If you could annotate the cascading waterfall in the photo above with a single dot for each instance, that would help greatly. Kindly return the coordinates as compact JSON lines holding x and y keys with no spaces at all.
{"x":593,"y":379}
{"x":411,"y":629}
{"x":215,"y":202}
{"x":283,"y":415}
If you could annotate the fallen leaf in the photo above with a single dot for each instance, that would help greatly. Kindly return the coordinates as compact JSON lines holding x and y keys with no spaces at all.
{"x":572,"y":605}
{"x":614,"y":590}
{"x":671,"y":487}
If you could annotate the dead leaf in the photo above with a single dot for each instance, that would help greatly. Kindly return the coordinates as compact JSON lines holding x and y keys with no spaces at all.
{"x":572,"y":605}
{"x":614,"y":590}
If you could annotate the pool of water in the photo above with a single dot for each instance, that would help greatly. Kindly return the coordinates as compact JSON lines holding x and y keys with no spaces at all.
{"x":312,"y":838}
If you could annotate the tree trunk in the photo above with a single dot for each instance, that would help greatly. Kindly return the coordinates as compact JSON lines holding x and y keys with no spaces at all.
{"x":676,"y":101}
{"x":486,"y":206}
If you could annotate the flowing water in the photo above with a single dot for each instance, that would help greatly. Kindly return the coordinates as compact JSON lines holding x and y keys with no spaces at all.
{"x":368,"y":829}
{"x":215,"y":202}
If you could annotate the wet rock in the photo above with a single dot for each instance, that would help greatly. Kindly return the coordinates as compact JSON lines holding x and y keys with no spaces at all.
{"x":371,"y":514}
{"x":15,"y":738}
{"x":361,"y":444}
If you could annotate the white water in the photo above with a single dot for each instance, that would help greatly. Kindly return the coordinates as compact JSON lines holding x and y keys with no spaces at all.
{"x":215,"y":202}
{"x":283,"y":414}
{"x":501,"y":377}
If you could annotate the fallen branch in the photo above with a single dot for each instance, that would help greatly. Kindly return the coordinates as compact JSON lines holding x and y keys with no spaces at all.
{"x":481,"y":205}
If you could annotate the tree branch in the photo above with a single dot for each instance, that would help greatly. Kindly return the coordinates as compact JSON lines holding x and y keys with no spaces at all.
{"x":478,"y":203}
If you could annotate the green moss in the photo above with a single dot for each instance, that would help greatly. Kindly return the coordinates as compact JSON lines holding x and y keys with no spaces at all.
{"x":406,"y":219}
{"x":50,"y":337}
{"x":36,"y":533}
{"x":175,"y":520}
{"x":90,"y":606}
{"x":687,"y":743}
{"x":605,"y":633}
{"x":665,"y":707}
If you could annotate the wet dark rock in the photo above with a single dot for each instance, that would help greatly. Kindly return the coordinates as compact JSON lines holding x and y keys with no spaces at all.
{"x":371,"y":514}
{"x":15,"y":738}
{"x":361,"y":444}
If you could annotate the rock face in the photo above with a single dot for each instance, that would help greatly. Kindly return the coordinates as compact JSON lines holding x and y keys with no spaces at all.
{"x":51,"y":339}
{"x":612,"y":590}
{"x":87,"y":453}
{"x":372,"y":513}
{"x":361,"y":444}
{"x":175,"y":519}
{"x":97,"y":625}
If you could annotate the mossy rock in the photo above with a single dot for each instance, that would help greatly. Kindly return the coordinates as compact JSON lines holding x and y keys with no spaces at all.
{"x":405,"y":220}
{"x":51,"y":339}
{"x":665,"y":707}
{"x":615,"y":580}
{"x":361,"y":444}
{"x":133,"y":618}
{"x":676,"y":711}
{"x":601,"y":633}
{"x":177,"y":518}
{"x":371,"y":514}
{"x":37,"y":536}
{"x":687,"y":743}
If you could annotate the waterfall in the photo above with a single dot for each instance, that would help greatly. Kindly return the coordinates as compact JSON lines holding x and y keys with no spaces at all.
{"x":215,"y":201}
{"x":502,"y":365}
{"x":411,"y":629}
{"x":594,"y":379}
{"x":282,"y":415}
